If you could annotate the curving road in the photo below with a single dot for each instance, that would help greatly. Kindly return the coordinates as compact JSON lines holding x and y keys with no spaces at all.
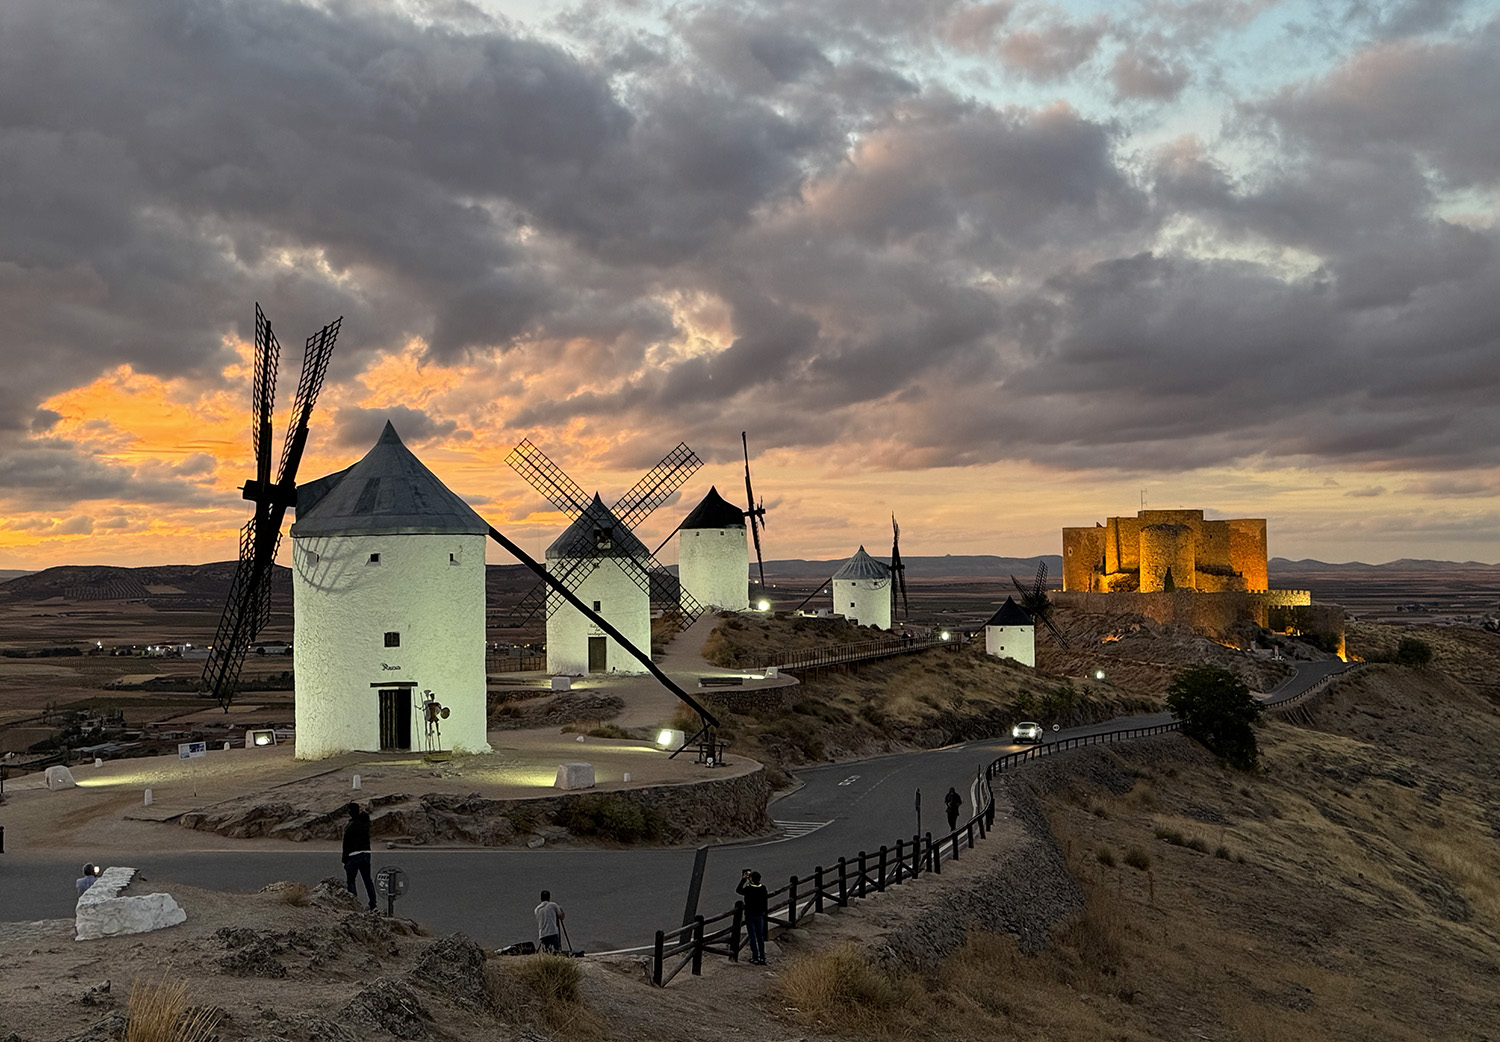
{"x":614,"y":898}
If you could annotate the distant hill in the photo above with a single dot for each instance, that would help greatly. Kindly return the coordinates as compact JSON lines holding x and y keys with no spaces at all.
{"x":168,"y":586}
{"x":1406,"y":564}
{"x":949,"y":566}
{"x":7,"y":574}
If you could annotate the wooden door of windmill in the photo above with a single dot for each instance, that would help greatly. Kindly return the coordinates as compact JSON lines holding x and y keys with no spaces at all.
{"x":395,"y":718}
{"x":597,"y":658}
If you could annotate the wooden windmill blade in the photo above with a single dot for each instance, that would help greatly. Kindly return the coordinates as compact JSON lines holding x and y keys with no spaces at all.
{"x":548,"y":478}
{"x":754,"y":513}
{"x":248,"y":606}
{"x":656,"y":486}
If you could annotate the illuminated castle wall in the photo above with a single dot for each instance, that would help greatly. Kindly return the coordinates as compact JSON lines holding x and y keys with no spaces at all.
{"x":1136,"y":554}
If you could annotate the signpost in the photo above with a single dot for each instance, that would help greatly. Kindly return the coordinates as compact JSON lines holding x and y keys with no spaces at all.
{"x":391,"y":882}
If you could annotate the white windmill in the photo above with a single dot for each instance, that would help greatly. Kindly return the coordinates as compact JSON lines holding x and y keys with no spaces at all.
{"x":1011,"y":633}
{"x":862,"y":591}
{"x":388,"y":590}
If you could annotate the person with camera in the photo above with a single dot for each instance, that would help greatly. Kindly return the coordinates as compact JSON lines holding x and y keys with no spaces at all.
{"x":757,"y":905}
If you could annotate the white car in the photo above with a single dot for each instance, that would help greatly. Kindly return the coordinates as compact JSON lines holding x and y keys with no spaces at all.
{"x":1027,"y":731}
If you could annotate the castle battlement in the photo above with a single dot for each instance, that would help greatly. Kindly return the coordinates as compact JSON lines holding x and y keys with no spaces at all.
{"x":1166,"y":550}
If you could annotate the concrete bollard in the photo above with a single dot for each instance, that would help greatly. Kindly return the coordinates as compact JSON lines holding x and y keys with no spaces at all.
{"x":148,"y":797}
{"x":357,"y":781}
{"x":98,"y":761}
{"x":627,"y":775}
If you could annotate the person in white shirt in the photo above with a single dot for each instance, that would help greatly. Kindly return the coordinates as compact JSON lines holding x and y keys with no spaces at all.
{"x":549,"y":919}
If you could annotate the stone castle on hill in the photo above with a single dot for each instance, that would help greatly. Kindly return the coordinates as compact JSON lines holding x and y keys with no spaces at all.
{"x":1177,"y":568}
{"x":1161,"y":550}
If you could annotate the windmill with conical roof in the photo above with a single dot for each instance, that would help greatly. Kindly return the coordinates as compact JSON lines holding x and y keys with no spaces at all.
{"x":388,"y":569}
{"x":862,"y":591}
{"x":1011,"y":633}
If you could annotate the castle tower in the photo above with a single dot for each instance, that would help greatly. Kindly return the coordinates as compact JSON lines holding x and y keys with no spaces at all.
{"x":614,"y":585}
{"x":862,"y":591}
{"x":388,"y":595}
{"x":713,"y":559}
{"x":1011,"y":634}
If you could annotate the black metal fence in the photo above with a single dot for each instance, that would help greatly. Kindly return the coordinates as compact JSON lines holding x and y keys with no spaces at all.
{"x":852,"y":878}
{"x":814,"y":659}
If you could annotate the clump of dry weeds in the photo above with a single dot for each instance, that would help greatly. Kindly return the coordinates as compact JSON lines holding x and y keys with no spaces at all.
{"x":160,"y":1012}
{"x":547,"y":990}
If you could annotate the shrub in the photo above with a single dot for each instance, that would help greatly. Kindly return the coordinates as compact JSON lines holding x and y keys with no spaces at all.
{"x":1222,"y":852}
{"x":545,"y":988}
{"x":609,"y":817}
{"x":1172,"y":836}
{"x":160,"y":1013}
{"x":1106,"y":857}
{"x":1138,"y":859}
{"x":1412,"y":652}
{"x":1197,"y":844}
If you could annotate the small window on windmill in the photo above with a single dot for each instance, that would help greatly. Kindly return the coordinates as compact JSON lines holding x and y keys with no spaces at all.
{"x":603,"y":539}
{"x":453,"y":558}
{"x":392,"y":639}
{"x":596,"y":605}
{"x":311,"y":558}
{"x":374,"y":559}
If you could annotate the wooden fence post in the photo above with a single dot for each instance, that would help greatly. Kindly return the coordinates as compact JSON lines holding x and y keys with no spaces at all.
{"x":657,"y":959}
{"x":880,"y":880}
{"x":698,"y":946}
{"x":739,"y":923}
{"x":863,"y":876}
{"x":791,"y":904}
{"x":843,"y":883}
{"x":818,"y":889}
{"x":935,"y":856}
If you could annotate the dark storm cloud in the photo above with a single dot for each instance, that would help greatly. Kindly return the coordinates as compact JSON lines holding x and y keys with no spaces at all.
{"x":896,"y":261}
{"x":55,"y":474}
{"x":359,"y":429}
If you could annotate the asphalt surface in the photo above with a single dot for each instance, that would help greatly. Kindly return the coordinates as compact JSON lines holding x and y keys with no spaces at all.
{"x":614,"y":899}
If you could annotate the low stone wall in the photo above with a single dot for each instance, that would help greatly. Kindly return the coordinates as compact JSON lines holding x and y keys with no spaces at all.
{"x":1212,"y":613}
{"x":728,"y":807}
{"x":1024,"y":887}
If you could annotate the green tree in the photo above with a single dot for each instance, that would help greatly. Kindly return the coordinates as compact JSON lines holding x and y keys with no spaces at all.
{"x":1217,"y":709}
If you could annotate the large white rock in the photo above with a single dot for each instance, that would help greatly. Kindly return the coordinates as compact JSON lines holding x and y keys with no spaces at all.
{"x":102,"y":912}
{"x":574,"y":776}
{"x":59,"y":777}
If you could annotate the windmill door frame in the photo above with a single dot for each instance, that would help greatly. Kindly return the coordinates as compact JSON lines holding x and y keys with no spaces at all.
{"x":394,"y":708}
{"x":598,"y":654}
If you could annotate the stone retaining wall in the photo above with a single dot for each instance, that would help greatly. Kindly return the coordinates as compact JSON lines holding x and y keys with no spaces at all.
{"x":726,"y":807}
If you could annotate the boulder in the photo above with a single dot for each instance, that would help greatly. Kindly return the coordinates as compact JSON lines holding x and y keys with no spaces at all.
{"x":574,"y":776}
{"x":102,"y":912}
{"x":59,"y":777}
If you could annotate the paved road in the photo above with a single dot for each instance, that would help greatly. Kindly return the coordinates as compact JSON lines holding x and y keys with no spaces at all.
{"x":614,"y":898}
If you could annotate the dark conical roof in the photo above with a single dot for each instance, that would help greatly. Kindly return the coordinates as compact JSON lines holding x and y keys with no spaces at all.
{"x":580,"y":539}
{"x":387,"y":492}
{"x":715,"y":512}
{"x":863,"y":566}
{"x":1011,"y":614}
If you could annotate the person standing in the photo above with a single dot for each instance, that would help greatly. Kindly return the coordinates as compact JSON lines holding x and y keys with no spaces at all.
{"x":952,"y":801}
{"x":757,"y":907}
{"x":549,"y":920}
{"x":357,"y":851}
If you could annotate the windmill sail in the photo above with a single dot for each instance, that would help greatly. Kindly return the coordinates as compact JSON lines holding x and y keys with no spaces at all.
{"x":248,"y":606}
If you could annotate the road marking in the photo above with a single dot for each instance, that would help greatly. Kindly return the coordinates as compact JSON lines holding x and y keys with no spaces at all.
{"x":798,"y":829}
{"x":850,"y":780}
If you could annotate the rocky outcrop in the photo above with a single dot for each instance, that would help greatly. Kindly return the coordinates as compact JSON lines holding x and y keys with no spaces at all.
{"x":102,"y":912}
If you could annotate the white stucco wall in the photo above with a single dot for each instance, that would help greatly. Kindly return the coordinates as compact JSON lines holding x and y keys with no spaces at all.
{"x":1012,"y":642}
{"x":863,"y":601}
{"x":344,"y":606}
{"x":714,"y":566}
{"x":621,"y":601}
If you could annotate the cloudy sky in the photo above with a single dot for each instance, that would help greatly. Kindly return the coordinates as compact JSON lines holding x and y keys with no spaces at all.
{"x":996,"y":267}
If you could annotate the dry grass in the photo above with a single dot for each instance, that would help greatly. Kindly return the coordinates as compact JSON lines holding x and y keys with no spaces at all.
{"x":547,"y":990}
{"x":160,"y":1013}
{"x":843,"y":992}
{"x":295,"y":894}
